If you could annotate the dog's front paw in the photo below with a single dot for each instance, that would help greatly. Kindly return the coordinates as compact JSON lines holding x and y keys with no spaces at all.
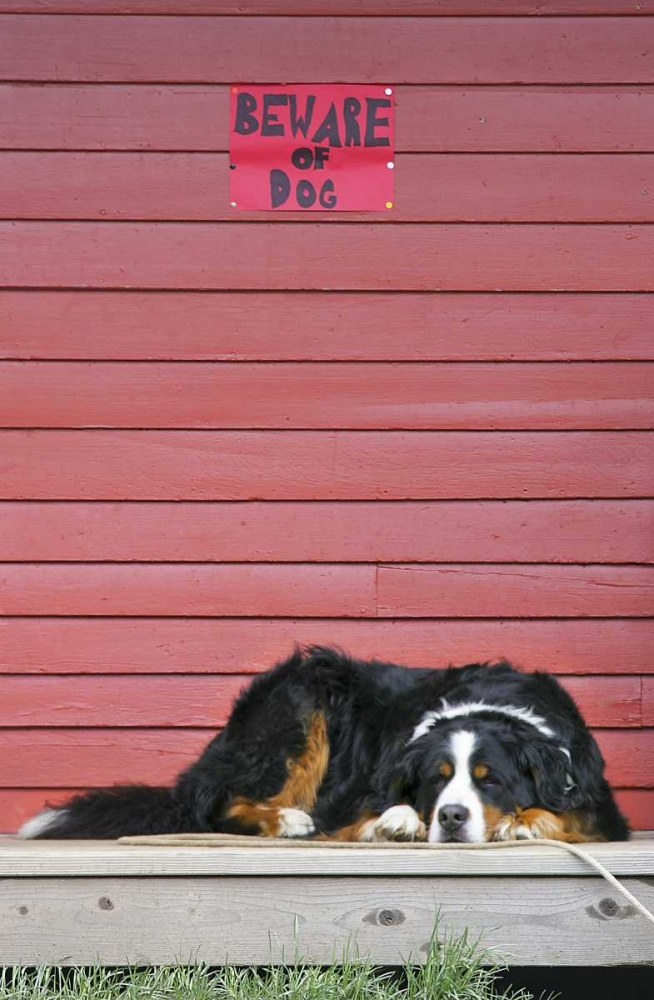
{"x":529,"y":824}
{"x":294,"y":823}
{"x":398,"y":823}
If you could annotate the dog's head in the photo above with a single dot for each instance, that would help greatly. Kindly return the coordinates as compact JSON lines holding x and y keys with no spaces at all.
{"x":465,"y":774}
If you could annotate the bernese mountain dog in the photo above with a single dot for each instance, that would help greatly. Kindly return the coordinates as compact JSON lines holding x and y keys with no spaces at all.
{"x":329,"y":746}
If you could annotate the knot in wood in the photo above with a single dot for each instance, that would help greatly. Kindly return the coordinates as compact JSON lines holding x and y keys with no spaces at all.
{"x":608,"y":907}
{"x":390,"y":918}
{"x":105,"y":903}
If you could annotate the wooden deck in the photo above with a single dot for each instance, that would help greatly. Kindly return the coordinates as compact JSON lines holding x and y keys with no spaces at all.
{"x":82,"y":902}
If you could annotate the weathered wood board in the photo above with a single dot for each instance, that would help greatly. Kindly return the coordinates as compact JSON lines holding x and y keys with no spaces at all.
{"x":262,"y":920}
{"x":80,"y":902}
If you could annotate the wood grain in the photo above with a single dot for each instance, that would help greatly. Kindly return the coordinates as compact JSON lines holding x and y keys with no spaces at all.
{"x":132,"y":129}
{"x":315,"y":326}
{"x":174,"y":701}
{"x":326,"y":590}
{"x":179,"y":701}
{"x":612,"y":531}
{"x":220,"y":854}
{"x":428,"y":119}
{"x":323,"y":465}
{"x":557,"y":396}
{"x":594,"y":50}
{"x":306,"y":8}
{"x":79,"y":758}
{"x":243,"y":646}
{"x":513,"y":591}
{"x":454,"y":187}
{"x":168,"y":920}
{"x":648,"y":702}
{"x":638,"y":806}
{"x":304,"y":256}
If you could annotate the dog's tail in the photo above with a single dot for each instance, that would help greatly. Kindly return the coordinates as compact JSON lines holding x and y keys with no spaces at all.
{"x":126,"y":810}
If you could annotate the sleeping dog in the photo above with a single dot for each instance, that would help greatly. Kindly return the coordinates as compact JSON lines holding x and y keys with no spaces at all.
{"x":325,"y":745}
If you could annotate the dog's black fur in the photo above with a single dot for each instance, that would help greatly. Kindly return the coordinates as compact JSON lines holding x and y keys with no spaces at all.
{"x":369,"y":711}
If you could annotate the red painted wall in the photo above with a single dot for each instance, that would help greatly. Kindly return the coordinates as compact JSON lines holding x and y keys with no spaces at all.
{"x":424,"y":434}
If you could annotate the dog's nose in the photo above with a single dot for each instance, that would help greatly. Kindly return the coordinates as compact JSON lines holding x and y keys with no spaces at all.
{"x":452,"y":818}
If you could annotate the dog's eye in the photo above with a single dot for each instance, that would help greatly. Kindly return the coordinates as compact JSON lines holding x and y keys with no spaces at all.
{"x":488,"y":780}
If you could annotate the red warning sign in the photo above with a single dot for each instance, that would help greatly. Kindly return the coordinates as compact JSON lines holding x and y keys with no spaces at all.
{"x":321,"y":148}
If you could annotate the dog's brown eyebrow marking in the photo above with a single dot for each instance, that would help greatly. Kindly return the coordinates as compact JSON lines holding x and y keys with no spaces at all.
{"x":446,"y":770}
{"x":479,"y":771}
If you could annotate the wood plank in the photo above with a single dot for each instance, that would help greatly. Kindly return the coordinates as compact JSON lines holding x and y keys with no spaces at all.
{"x":629,"y":756}
{"x":168,"y":920}
{"x":79,"y":758}
{"x":638,"y":806}
{"x":453,"y":187}
{"x":596,"y":50}
{"x":306,"y":326}
{"x":19,"y":804}
{"x":182,"y":701}
{"x":508,"y":591}
{"x":304,"y":256}
{"x":382,"y":396}
{"x":324,"y":590}
{"x":612,"y":531}
{"x":322,"y":465}
{"x":308,"y":8}
{"x":196,"y":701}
{"x":243,"y":646}
{"x":648,"y":702}
{"x":429,"y":119}
{"x":214,"y":855}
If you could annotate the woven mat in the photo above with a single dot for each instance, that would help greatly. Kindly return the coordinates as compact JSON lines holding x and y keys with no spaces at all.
{"x":234,"y":840}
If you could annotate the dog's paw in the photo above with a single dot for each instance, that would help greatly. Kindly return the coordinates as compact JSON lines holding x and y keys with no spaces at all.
{"x":398,"y":823}
{"x":530,"y":824}
{"x":294,"y":823}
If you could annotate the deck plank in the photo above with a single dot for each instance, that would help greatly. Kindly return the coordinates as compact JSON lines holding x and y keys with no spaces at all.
{"x":64,"y":858}
{"x":267,"y":920}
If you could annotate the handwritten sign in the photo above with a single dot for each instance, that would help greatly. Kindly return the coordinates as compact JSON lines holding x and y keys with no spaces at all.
{"x":321,"y":148}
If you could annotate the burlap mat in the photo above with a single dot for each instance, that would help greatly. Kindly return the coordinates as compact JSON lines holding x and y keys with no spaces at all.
{"x":235,"y":840}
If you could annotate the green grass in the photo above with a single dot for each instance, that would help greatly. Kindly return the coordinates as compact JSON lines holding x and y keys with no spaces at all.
{"x":453,"y":970}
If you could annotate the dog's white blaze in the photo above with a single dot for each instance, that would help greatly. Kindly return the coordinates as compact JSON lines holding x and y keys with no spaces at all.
{"x":448,"y":711}
{"x":45,"y":820}
{"x":460,"y":791}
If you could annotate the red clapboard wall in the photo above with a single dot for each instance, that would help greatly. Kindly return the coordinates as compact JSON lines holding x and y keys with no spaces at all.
{"x":423,"y":435}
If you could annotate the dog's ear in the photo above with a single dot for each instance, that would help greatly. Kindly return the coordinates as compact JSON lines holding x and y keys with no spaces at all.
{"x":554,"y":774}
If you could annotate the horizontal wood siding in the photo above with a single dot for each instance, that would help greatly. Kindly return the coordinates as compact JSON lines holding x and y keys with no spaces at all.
{"x":622,"y":531}
{"x":307,"y":8}
{"x":323,"y":465}
{"x":220,"y":50}
{"x":105,"y":645}
{"x":87,"y":756}
{"x":423,"y":435}
{"x":360,"y":397}
{"x":429,"y":119}
{"x":407,"y":257}
{"x":429,"y":187}
{"x":272,"y":326}
{"x":200,"y":701}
